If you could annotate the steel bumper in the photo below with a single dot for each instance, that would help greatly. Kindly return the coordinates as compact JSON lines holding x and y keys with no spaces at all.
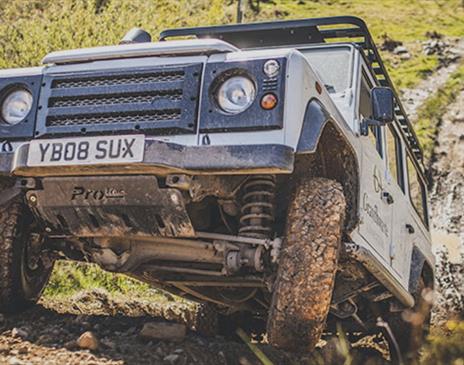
{"x":165,"y":158}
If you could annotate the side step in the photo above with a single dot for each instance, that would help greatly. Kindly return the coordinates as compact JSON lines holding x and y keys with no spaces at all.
{"x":376,"y":268}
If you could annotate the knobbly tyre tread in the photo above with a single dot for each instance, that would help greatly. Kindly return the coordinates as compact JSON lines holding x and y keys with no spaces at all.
{"x":12,"y":226}
{"x":308,"y":264}
{"x":9,"y":214}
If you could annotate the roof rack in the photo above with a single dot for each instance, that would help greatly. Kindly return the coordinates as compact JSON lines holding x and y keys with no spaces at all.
{"x":314,"y":30}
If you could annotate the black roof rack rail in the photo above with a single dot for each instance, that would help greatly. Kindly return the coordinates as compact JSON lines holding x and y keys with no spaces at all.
{"x":305,"y":31}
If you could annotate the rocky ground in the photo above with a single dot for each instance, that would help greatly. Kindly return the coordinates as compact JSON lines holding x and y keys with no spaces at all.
{"x":95,"y":328}
{"x":447,"y":195}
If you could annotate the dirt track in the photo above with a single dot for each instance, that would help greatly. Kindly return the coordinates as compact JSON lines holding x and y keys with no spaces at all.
{"x":47,"y":334}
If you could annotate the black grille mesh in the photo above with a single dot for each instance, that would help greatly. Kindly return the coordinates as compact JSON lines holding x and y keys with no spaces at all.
{"x":116,"y":99}
{"x":119,"y":80}
{"x":115,"y":118}
{"x":163,"y":99}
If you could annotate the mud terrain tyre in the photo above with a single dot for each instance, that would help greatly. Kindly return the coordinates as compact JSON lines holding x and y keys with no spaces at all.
{"x":20,"y":286}
{"x":307,"y":267}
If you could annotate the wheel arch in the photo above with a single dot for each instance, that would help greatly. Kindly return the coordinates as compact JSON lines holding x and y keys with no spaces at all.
{"x":420,"y":268}
{"x":324,"y":151}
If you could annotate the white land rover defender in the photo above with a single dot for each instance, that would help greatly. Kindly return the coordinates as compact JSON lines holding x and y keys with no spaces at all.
{"x":265,"y":168}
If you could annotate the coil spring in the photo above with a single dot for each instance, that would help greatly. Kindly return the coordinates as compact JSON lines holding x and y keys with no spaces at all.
{"x":257,"y":212}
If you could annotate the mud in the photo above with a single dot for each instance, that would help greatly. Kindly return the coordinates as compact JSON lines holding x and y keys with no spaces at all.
{"x":447,"y":195}
{"x":47,"y":334}
{"x":414,"y":98}
{"x":316,"y":215}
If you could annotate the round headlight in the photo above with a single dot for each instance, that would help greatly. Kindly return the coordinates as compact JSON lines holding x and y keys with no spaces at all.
{"x":271,"y":68}
{"x":236,"y":94}
{"x":16,"y":106}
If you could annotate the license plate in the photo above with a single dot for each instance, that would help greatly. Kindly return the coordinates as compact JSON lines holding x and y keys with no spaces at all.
{"x":86,"y":150}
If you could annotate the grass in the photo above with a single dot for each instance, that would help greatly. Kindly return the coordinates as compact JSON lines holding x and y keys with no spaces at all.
{"x":434,"y":107}
{"x":69,"y":278}
{"x":407,"y":21}
{"x":446,"y":346}
{"x":29,"y":29}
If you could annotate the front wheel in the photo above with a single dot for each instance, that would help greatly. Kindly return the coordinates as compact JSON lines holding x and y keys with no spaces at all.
{"x":22,"y":277}
{"x":308,"y":263}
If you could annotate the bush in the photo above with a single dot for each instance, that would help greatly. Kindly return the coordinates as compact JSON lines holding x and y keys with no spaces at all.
{"x":446,"y":348}
{"x":32,"y":28}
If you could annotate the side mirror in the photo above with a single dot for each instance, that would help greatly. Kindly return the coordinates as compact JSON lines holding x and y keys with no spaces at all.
{"x":383,"y":111}
{"x":382,"y":104}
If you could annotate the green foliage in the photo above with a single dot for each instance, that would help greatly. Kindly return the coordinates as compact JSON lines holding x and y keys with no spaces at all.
{"x":69,"y":278}
{"x":32,"y":28}
{"x":29,"y":29}
{"x":408,"y":73}
{"x":434,"y":107}
{"x":447,"y":347}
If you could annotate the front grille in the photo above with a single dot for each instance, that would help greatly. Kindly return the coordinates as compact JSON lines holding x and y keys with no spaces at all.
{"x":116,"y":118}
{"x":162,"y":100}
{"x":113,"y":100}
{"x":119,"y":80}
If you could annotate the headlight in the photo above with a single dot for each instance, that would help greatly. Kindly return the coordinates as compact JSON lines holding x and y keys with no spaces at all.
{"x":236,"y":94}
{"x":271,"y":68}
{"x":16,"y":106}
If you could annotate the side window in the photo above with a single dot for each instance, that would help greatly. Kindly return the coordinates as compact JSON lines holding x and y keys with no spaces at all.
{"x":417,"y":191}
{"x":394,"y":155}
{"x":365,"y":105}
{"x":365,"y":110}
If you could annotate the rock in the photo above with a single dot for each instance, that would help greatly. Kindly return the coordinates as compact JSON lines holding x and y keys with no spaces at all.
{"x":88,"y":341}
{"x":15,"y":361}
{"x":172,"y":358}
{"x":164,"y":331}
{"x":108,"y":343}
{"x":44,"y":339}
{"x":389,"y":44}
{"x":400,"y":50}
{"x":70,"y":345}
{"x":4,"y":348}
{"x":405,"y":56}
{"x":433,"y":34}
{"x":2,"y":318}
{"x":19,"y":332}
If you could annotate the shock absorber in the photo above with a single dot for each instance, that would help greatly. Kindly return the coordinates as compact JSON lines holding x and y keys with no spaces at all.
{"x":257,"y":212}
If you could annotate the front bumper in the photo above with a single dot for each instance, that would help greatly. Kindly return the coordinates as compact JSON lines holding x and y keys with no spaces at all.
{"x":163,"y":158}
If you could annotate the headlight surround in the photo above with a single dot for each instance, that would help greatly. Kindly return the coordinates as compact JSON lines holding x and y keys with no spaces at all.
{"x":16,"y":105}
{"x":236,"y":94}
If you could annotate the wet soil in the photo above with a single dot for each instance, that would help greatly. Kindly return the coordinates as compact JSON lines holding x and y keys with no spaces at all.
{"x":47,"y":334}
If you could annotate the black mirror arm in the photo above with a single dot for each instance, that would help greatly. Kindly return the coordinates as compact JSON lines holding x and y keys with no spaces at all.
{"x":366,"y":123}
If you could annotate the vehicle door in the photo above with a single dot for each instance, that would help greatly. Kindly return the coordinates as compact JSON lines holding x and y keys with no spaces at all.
{"x":400,"y":245}
{"x":417,"y":221}
{"x":375,"y":211}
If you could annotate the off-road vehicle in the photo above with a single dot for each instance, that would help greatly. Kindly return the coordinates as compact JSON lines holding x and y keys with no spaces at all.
{"x":264,"y":168}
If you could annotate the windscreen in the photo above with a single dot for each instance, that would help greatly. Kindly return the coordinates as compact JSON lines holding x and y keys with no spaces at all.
{"x":334,"y":66}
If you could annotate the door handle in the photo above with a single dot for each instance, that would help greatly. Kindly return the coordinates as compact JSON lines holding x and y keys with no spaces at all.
{"x":410,"y":228}
{"x":387,"y":197}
